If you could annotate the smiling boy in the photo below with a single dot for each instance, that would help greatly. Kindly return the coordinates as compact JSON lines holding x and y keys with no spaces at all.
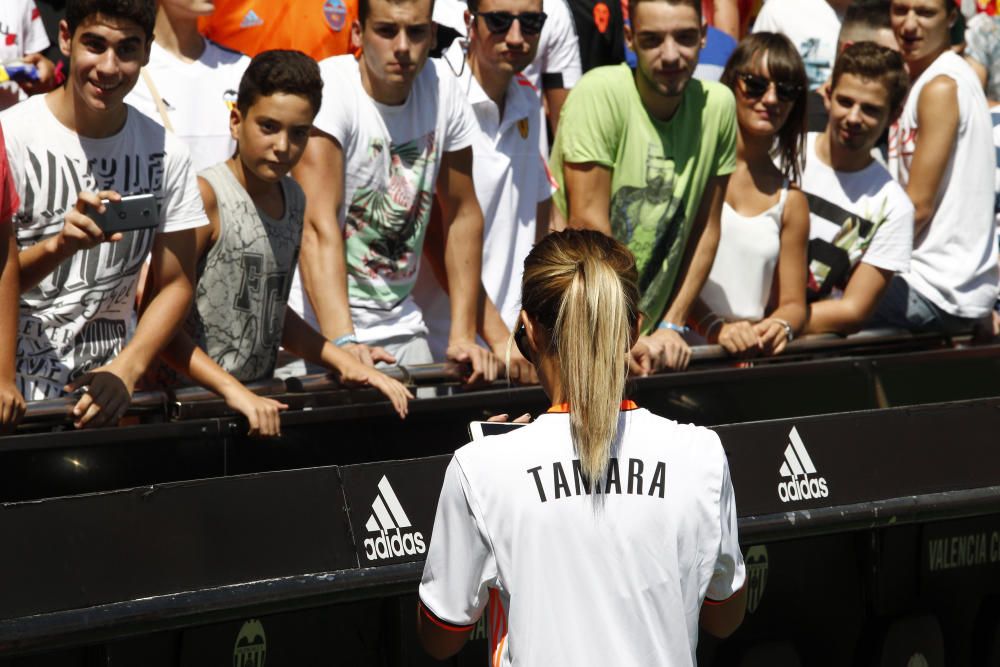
{"x":69,"y":150}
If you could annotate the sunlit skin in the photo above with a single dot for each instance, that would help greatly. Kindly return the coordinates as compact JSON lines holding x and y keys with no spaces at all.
{"x":494,"y":59}
{"x":859,"y":114}
{"x":106,"y":56}
{"x":395,"y":42}
{"x":762,"y":116}
{"x":271,"y":139}
{"x":922,"y":30}
{"x":666,"y":39}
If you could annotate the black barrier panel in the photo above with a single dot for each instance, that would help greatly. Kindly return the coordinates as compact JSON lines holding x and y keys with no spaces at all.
{"x":802,"y":464}
{"x":391,"y":506}
{"x":83,"y":551}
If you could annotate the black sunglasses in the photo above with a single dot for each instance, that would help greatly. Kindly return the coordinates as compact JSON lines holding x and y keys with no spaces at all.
{"x":521,"y":340}
{"x":756,"y":86}
{"x":500,"y":22}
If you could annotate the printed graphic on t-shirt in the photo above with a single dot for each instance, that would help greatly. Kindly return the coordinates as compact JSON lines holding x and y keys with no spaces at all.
{"x":632,"y":211}
{"x":831,"y":262}
{"x":8,"y":34}
{"x":385,"y":227}
{"x":77,"y":318}
{"x":817,"y":66}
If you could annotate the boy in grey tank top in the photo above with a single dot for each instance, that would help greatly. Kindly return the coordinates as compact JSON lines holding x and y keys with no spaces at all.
{"x":247,"y":254}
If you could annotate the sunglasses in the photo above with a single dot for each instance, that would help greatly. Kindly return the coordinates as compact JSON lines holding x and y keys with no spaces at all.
{"x":756,"y":86}
{"x":521,"y":340}
{"x":499,"y":23}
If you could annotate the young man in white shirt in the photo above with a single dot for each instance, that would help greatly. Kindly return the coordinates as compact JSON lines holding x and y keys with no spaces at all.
{"x":941,"y":151}
{"x":370,"y":174}
{"x":812,"y":25}
{"x":69,"y":150}
{"x":861,"y":221}
{"x":511,"y":178}
{"x":190,"y":83}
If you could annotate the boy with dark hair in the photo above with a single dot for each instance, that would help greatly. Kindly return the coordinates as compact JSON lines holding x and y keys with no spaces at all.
{"x":68,"y":151}
{"x":861,"y":221}
{"x":248,"y":251}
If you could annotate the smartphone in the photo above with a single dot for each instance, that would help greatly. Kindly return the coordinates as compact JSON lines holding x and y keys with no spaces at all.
{"x":479,"y":430}
{"x":132,"y":212}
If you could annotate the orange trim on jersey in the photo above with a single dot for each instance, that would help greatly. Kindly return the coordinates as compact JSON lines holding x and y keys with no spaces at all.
{"x":560,"y":408}
{"x":498,"y":627}
{"x":444,"y":625}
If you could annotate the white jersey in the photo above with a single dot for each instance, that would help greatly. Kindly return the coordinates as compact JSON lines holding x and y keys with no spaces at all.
{"x":81,"y":315}
{"x":609,"y":574}
{"x":511,"y":179}
{"x":392,"y":155}
{"x":197,"y":98}
{"x":954,"y":263}
{"x":21,"y":33}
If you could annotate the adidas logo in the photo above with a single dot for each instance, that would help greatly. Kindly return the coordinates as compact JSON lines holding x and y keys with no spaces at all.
{"x":251,"y":20}
{"x":395,"y":536}
{"x":804,"y":483}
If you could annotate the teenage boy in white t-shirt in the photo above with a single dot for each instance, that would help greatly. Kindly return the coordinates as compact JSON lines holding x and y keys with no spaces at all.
{"x":861,"y":221}
{"x":190,"y":83}
{"x":387,"y":127}
{"x":69,"y":150}
{"x":941,"y":151}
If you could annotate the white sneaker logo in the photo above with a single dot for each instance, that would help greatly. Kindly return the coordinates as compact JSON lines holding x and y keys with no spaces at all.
{"x":251,"y":20}
{"x":389,"y":521}
{"x":798,"y":466}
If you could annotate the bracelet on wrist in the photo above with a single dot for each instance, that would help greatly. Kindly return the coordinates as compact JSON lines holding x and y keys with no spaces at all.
{"x":346,"y":339}
{"x":673,"y":327}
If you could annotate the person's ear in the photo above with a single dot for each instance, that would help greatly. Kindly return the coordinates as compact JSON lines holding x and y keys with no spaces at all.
{"x":235,"y":120}
{"x":534,"y":335}
{"x":629,"y":37}
{"x":356,"y":30}
{"x":65,"y":38}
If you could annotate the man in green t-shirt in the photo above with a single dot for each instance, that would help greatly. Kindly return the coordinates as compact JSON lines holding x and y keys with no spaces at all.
{"x":645,"y":156}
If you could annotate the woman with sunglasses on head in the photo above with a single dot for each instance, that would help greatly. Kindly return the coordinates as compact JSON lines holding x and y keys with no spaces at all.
{"x":753,"y":302}
{"x":600,"y":534}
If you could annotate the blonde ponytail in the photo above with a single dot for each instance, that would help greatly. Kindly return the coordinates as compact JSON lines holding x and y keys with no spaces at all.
{"x":581,"y":287}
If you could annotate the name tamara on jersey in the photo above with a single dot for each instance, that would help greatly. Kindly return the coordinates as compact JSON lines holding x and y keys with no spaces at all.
{"x":628,"y":476}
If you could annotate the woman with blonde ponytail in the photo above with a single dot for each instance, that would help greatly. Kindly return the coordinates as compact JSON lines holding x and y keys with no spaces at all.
{"x":600,"y":534}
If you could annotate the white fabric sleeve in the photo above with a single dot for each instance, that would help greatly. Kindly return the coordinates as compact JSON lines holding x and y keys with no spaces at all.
{"x":766,"y":20}
{"x":16,"y":161}
{"x":460,"y":123}
{"x":35,"y":38}
{"x":182,"y":207}
{"x":730,"y":572}
{"x":339,"y":102}
{"x":460,"y":563}
{"x":892,"y":244}
{"x":562,"y":55}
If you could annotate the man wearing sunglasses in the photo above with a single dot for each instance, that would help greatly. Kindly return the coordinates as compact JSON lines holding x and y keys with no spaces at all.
{"x":392,"y":134}
{"x":510,"y":175}
{"x":645,"y":156}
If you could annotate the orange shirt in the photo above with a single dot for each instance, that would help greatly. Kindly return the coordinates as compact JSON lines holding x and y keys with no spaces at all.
{"x":319,"y":28}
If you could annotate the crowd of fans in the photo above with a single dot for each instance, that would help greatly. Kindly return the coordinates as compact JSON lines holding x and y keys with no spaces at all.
{"x":343,"y":200}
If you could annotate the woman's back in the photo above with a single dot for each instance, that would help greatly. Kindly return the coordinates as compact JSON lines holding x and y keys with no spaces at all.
{"x":610,"y":573}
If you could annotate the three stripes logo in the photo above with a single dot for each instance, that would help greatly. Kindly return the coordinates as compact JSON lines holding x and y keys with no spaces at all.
{"x":799,"y":473}
{"x":391,"y":534}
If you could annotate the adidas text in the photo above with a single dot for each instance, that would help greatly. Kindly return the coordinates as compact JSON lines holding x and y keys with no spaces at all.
{"x":801,"y":479}
{"x":393,"y":544}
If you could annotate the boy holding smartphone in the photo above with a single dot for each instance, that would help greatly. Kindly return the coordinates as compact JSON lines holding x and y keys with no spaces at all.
{"x":248,"y":252}
{"x":68,"y":150}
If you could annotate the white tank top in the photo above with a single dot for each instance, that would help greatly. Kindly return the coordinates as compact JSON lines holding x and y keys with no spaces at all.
{"x":739,"y":286}
{"x":954,"y":262}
